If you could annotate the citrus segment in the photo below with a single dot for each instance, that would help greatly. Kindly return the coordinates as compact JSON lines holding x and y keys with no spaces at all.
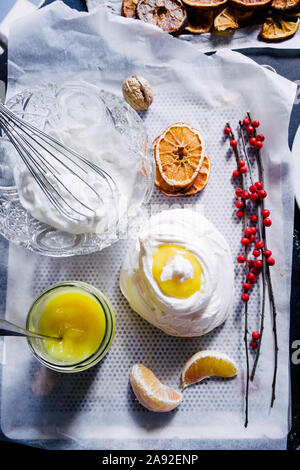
{"x":225,"y":21}
{"x":179,"y":153}
{"x":150,"y":392}
{"x":169,"y":15}
{"x":205,"y":364}
{"x":276,"y":29}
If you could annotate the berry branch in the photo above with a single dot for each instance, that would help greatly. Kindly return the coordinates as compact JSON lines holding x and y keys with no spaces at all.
{"x":270,"y":262}
{"x":242,"y":258}
{"x":254,"y":267}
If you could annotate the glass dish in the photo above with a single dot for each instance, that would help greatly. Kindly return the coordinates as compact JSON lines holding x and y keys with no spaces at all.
{"x":42,"y":106}
{"x":37,"y":345}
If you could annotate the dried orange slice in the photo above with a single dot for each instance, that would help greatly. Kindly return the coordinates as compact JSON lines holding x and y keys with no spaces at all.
{"x":285,"y":4}
{"x":129,"y":8}
{"x":250,"y":4}
{"x":277,"y":29}
{"x":169,"y":15}
{"x":205,"y":364}
{"x":150,"y":392}
{"x":179,"y":153}
{"x":225,"y":21}
{"x":205,"y":4}
{"x":199,"y":21}
{"x":199,"y":183}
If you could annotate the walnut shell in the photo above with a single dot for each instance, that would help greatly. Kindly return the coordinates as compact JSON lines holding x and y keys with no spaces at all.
{"x":137,"y":92}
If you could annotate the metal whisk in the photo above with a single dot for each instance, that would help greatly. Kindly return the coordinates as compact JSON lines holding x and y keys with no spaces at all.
{"x":37,"y":149}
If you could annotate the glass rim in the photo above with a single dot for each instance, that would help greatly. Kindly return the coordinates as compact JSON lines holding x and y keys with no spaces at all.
{"x":103,"y":347}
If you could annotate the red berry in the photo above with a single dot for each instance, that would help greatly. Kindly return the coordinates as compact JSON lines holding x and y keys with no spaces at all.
{"x":259,"y":244}
{"x":256,"y":253}
{"x":250,"y":263}
{"x":262,"y":193}
{"x":233,"y":143}
{"x":254,"y":344}
{"x":255,"y":123}
{"x":246,"y":286}
{"x":245,"y":241}
{"x":253,"y":230}
{"x":255,"y":273}
{"x":239,"y":192}
{"x":245,"y":297}
{"x":255,"y":335}
{"x":254,"y":196}
{"x":243,"y":170}
{"x":252,"y":188}
{"x":248,"y":232}
{"x":239,"y":204}
{"x":239,"y":214}
{"x":267,"y":253}
{"x":267,"y":222}
{"x":241,"y":259}
{"x":236,"y":173}
{"x":246,"y":122}
{"x":260,"y":137}
{"x":245,"y":195}
{"x":241,"y":163}
{"x":258,"y":145}
{"x":250,"y":130}
{"x":252,"y":238}
{"x":265,"y":213}
{"x":258,"y":264}
{"x":254,"y":218}
{"x":270,"y":261}
{"x":227,"y":130}
{"x":259,"y":185}
{"x":252,"y":141}
{"x":251,"y":278}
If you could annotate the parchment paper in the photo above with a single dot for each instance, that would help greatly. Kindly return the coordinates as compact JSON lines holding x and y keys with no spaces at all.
{"x":96,"y":409}
{"x":243,"y":38}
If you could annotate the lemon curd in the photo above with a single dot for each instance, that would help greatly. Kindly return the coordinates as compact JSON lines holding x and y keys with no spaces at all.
{"x":176,"y":271}
{"x":80,"y":317}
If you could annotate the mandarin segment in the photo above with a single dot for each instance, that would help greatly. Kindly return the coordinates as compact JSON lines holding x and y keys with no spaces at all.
{"x":278,"y":29}
{"x":150,"y":392}
{"x":206,"y":364}
{"x":179,"y":154}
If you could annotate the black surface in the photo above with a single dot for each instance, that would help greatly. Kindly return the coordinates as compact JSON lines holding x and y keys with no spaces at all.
{"x":287,"y":64}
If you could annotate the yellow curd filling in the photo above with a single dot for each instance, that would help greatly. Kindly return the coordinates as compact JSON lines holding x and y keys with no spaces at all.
{"x":178,"y":286}
{"x":78,"y":319}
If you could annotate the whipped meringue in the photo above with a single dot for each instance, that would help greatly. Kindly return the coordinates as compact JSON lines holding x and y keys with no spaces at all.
{"x":162,"y":288}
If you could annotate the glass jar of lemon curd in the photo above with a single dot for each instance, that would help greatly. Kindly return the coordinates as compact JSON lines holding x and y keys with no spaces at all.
{"x":82,"y":320}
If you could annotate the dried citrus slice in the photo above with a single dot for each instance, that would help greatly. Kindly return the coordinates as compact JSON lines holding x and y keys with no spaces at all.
{"x":205,"y":4}
{"x":169,"y":15}
{"x":277,"y":29}
{"x":225,"y":21}
{"x":179,"y":153}
{"x":285,"y":4}
{"x":150,"y":392}
{"x":199,"y":183}
{"x":129,"y":8}
{"x":205,"y":364}
{"x":250,"y":4}
{"x":199,"y":21}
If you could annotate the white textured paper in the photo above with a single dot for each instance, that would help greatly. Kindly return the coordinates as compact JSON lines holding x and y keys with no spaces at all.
{"x":243,"y":38}
{"x":96,"y":409}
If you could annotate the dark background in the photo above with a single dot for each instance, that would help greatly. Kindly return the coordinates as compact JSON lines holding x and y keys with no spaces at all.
{"x":287,"y":64}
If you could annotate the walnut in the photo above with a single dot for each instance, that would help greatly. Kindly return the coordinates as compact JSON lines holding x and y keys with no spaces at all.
{"x":137,"y":92}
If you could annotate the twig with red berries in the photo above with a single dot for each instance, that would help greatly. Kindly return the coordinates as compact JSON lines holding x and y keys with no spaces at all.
{"x":255,"y":266}
{"x":242,"y":213}
{"x":269,"y":260}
